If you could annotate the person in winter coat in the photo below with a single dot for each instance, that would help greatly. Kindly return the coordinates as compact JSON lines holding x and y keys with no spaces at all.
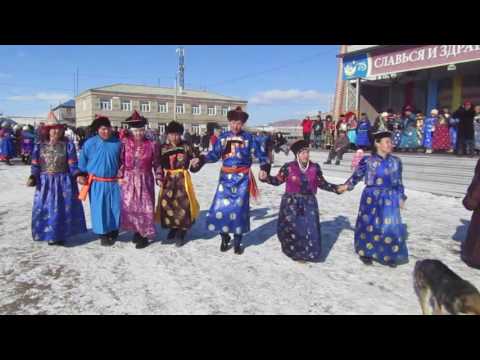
{"x":363,"y":137}
{"x":342,"y":144}
{"x":465,"y":136}
{"x":307,"y":126}
{"x":471,"y":246}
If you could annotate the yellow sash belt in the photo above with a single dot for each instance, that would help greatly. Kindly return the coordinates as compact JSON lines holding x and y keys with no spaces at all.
{"x":192,"y":199}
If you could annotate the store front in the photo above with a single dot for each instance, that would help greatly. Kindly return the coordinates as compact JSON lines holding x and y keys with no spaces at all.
{"x":425,"y":77}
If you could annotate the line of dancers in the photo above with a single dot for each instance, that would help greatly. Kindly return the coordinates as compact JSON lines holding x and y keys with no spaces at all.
{"x":119,"y":176}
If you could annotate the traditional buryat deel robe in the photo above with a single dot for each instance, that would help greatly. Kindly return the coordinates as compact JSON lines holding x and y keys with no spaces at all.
{"x":476,"y":127}
{"x":420,"y":124}
{"x":230,"y":210}
{"x":471,"y":246}
{"x":428,"y":129}
{"x":441,"y":137}
{"x":101,"y":160}
{"x":363,"y":133}
{"x":352,"y":131}
{"x":177,"y":206}
{"x":57,"y":212}
{"x":7,"y":148}
{"x":397,"y":132}
{"x":453,"y":132}
{"x":298,"y":226}
{"x":409,"y":138}
{"x":379,"y":233}
{"x":138,"y":164}
{"x":27,"y":143}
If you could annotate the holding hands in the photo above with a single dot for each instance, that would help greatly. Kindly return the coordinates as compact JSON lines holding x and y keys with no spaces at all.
{"x":342,"y":188}
{"x":195,"y":162}
{"x":81,"y":180}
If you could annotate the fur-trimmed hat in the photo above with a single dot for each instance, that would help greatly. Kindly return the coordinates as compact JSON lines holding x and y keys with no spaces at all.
{"x":382,"y":134}
{"x":298,"y":146}
{"x":237,"y":114}
{"x":100,"y":121}
{"x":350,"y":114}
{"x":136,"y":120}
{"x":174,"y":127}
{"x":52,"y":122}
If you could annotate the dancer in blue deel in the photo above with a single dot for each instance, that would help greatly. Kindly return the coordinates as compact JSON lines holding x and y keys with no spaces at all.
{"x":99,"y":162}
{"x":230,"y":210}
{"x":57,"y":213}
{"x":379,"y":234}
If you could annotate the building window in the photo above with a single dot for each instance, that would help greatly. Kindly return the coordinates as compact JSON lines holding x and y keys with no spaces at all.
{"x":196,"y":110}
{"x":180,"y":108}
{"x":161,"y":128}
{"x":212,"y":111}
{"x":225,"y":111}
{"x":163,"y":108}
{"x":145,"y":106}
{"x":196,"y":129}
{"x":126,"y":105}
{"x":106,"y":105}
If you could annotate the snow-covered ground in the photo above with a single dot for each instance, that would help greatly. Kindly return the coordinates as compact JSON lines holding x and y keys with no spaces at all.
{"x":86,"y":278}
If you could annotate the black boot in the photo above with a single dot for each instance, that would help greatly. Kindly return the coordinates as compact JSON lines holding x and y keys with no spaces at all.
{"x":225,"y":242}
{"x":142,"y":243}
{"x":56,"y":242}
{"x":328,"y":162}
{"x":366,"y":260}
{"x":171,"y":234}
{"x":105,"y":240}
{"x":136,"y":237}
{"x":181,"y":238}
{"x":337,"y":162}
{"x":237,"y":241}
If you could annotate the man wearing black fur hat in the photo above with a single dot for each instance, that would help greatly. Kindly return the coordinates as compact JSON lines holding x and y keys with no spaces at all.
{"x":177,"y":207}
{"x":230,"y":210}
{"x":99,"y":163}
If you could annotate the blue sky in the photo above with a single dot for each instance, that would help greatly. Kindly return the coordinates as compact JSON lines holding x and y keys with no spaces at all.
{"x":280,"y":82}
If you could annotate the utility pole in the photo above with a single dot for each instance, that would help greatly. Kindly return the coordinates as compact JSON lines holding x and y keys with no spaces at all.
{"x":175,"y":100}
{"x":357,"y":98}
{"x":77,"y":82}
{"x":181,"y":68}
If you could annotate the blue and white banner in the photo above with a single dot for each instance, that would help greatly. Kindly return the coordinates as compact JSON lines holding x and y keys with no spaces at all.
{"x":355,"y":67}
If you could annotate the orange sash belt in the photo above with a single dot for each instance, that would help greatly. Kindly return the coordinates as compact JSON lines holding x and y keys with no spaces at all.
{"x":252,"y":184}
{"x":84,"y":192}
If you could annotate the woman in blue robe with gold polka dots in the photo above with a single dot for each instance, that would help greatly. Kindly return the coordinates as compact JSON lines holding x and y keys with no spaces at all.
{"x":379,"y":234}
{"x":230,"y":209}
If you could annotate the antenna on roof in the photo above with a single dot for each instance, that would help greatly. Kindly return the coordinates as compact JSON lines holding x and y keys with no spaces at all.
{"x":181,"y":68}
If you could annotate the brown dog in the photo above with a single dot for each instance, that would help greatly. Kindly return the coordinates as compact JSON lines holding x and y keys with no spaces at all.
{"x":438,"y":288}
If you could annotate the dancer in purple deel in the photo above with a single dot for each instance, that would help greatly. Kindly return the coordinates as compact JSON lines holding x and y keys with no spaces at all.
{"x":298,"y":226}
